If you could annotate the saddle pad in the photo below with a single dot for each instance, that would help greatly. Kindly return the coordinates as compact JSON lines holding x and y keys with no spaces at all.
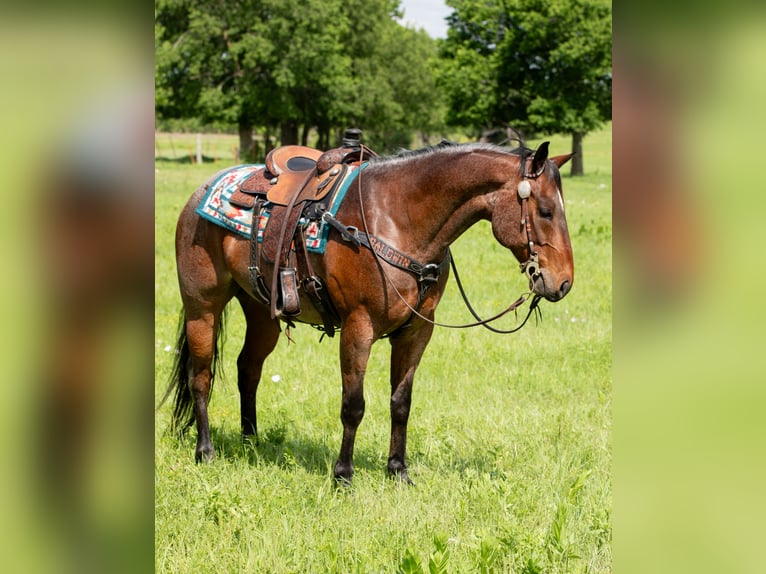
{"x":216,"y":207}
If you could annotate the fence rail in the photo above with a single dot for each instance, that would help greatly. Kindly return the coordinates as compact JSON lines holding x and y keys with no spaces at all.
{"x":196,"y":148}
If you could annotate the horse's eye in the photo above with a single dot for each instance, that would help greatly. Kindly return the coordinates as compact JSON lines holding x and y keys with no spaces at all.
{"x":545,"y":213}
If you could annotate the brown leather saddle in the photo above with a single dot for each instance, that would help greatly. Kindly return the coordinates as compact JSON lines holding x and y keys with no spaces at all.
{"x":295,"y":169}
{"x":294,"y":179}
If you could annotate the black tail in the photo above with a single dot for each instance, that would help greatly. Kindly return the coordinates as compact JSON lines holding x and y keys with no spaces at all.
{"x":183,"y":408}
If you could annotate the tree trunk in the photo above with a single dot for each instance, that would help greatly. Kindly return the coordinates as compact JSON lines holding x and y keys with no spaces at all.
{"x":288,"y":132}
{"x":245,"y":142}
{"x":577,"y":164}
{"x":324,"y":138}
{"x":268,"y":145}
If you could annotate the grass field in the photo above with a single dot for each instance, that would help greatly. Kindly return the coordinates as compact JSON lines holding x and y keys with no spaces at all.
{"x":509,"y":436}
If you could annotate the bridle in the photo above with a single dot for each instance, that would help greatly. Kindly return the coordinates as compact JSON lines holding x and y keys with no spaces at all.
{"x":531,"y":267}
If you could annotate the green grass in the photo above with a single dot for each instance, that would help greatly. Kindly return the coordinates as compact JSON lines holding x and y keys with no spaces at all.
{"x":509,"y":436}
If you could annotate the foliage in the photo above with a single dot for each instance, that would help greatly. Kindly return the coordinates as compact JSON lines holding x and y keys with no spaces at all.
{"x":540,"y":66}
{"x":300,"y":69}
{"x":310,"y":64}
{"x":544,"y":65}
{"x":509,"y":437}
{"x":401,"y":96}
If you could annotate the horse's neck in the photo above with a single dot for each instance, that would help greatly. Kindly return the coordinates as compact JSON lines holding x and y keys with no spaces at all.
{"x":463,"y":189}
{"x":457,"y":194}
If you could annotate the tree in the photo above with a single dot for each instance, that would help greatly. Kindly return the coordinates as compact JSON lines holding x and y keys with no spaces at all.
{"x":396,"y":88}
{"x":213,"y":63}
{"x":295,"y":66}
{"x":538,"y":65}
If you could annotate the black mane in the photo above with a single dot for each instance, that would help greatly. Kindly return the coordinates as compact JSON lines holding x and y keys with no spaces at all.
{"x":522,"y":152}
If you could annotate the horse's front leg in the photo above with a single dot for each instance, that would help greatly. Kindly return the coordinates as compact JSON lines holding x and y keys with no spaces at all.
{"x":355,"y":343}
{"x":407,"y":348}
{"x":261,"y":338}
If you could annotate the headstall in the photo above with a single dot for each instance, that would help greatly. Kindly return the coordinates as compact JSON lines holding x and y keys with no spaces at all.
{"x":531,"y":267}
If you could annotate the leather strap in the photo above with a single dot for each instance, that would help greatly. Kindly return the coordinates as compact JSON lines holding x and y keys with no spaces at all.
{"x":428,"y":272}
{"x":256,"y":277}
{"x":315,"y":289}
{"x":282,"y":237}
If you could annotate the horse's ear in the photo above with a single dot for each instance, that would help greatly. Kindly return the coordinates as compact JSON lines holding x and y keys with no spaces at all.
{"x":560,"y":160}
{"x":541,"y":154}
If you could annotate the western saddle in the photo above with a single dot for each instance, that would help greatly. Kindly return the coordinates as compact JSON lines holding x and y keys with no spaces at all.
{"x":296,"y":182}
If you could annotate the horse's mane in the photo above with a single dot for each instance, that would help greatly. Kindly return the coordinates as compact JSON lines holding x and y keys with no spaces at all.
{"x":448,"y":147}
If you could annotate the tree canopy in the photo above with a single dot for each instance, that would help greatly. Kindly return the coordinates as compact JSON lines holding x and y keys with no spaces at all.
{"x":295,"y":65}
{"x":290,"y":68}
{"x":540,"y":66}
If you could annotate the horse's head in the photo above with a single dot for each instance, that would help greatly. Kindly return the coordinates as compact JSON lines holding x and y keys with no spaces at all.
{"x":528,"y":218}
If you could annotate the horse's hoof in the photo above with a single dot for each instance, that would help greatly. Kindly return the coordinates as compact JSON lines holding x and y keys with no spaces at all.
{"x":250,"y":439}
{"x":343,"y":473}
{"x":343,"y":483}
{"x":204,"y":455}
{"x":249,"y":430}
{"x":398,"y":471}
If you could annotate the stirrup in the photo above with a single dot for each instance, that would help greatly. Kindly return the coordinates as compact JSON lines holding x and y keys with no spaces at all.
{"x":289,"y":303}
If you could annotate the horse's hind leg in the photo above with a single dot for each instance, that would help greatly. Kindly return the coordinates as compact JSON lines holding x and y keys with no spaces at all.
{"x":201,"y":334}
{"x":260,"y":339}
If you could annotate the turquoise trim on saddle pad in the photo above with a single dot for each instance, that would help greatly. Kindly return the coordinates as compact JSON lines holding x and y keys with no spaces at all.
{"x":215,"y":205}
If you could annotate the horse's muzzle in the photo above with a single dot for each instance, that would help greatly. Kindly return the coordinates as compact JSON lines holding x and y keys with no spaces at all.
{"x":544,"y":284}
{"x":563,"y":290}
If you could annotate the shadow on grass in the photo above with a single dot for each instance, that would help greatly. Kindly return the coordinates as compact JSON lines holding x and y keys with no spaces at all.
{"x":275,"y":448}
{"x":281,"y":447}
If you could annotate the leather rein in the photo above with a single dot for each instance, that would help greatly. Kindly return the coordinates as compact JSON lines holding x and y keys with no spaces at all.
{"x":531,"y":267}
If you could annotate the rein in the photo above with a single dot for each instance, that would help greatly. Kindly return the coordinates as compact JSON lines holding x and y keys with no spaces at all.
{"x":530,"y":267}
{"x":486,"y":322}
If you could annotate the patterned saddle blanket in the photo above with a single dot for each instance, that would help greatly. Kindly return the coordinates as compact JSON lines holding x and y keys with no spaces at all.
{"x":216,"y":206}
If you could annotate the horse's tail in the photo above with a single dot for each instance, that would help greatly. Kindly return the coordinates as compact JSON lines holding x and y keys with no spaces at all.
{"x":183,"y":407}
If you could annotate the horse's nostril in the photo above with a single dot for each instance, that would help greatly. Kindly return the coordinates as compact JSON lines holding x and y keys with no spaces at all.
{"x":564,"y":289}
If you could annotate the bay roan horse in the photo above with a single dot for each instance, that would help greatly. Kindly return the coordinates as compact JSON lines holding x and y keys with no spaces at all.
{"x":419,"y":203}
